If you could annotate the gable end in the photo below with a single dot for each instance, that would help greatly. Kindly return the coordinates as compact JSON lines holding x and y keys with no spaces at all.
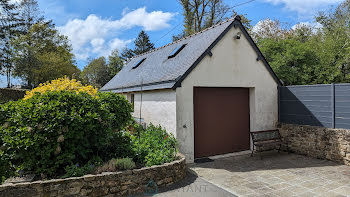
{"x":236,"y":23}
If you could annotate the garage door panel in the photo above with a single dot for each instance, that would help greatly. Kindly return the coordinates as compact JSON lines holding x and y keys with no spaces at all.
{"x":221,"y":120}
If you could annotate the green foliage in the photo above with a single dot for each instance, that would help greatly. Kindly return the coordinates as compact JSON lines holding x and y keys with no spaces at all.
{"x":142,"y":45}
{"x":42,"y":54}
{"x":309,"y":55}
{"x":114,"y":165}
{"x":96,"y":73}
{"x":118,"y":144}
{"x":76,"y":170}
{"x":125,"y":164}
{"x":9,"y":29}
{"x":155,"y":145}
{"x":292,"y":60}
{"x":115,"y":63}
{"x":50,"y":131}
{"x":6,"y":169}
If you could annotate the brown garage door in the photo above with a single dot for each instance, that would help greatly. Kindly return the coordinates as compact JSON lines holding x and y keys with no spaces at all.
{"x":221,"y":120}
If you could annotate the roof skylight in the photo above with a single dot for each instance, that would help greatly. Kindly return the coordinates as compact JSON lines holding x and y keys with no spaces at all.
{"x":176,"y":51}
{"x":139,"y":63}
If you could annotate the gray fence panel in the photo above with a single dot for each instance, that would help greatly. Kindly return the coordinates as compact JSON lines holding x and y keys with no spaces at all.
{"x":306,"y":105}
{"x":342,"y":106}
{"x":318,"y":105}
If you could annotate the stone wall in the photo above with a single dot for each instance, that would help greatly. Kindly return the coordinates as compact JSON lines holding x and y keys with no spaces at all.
{"x":319,"y":142}
{"x":8,"y":94}
{"x":105,"y":184}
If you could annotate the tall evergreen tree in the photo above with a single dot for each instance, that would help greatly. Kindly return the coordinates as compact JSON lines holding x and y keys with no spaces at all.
{"x":9,"y":29}
{"x":26,"y":61}
{"x":30,"y":14}
{"x":142,"y":45}
{"x":127,"y":54}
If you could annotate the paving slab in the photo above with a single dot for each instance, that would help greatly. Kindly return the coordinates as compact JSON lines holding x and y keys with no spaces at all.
{"x":276,"y":174}
{"x":191,"y":186}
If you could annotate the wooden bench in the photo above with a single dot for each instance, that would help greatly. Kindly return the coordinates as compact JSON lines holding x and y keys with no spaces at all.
{"x":266,"y":138}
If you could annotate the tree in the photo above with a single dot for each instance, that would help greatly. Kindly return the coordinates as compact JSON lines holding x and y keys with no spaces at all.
{"x":271,"y":29}
{"x":293,"y":61}
{"x":334,"y":43}
{"x":127,"y":54}
{"x":42,"y":55}
{"x":9,"y":29}
{"x":96,"y":73}
{"x":201,"y":14}
{"x":115,"y":63}
{"x":309,"y":55}
{"x":30,"y":14}
{"x":142,"y":45}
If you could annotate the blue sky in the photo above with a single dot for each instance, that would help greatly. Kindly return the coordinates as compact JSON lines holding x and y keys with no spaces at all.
{"x":96,"y":27}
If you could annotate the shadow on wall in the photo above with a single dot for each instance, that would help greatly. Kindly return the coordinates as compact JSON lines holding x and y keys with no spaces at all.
{"x":308,"y":114}
{"x":306,"y":105}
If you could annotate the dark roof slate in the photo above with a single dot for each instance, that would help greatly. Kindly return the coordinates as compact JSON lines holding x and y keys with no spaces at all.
{"x":160,"y":72}
{"x":158,"y":69}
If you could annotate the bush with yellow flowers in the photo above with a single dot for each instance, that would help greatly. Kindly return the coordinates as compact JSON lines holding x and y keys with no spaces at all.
{"x":62,"y":84}
{"x":60,"y":124}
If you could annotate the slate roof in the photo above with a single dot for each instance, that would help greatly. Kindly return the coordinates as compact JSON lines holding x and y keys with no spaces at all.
{"x":159,"y":72}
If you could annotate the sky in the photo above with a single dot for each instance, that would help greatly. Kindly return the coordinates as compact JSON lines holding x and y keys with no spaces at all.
{"x":95,"y":28}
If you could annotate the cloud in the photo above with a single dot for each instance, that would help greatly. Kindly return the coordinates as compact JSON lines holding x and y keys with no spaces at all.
{"x":304,"y":7}
{"x":149,"y":21}
{"x":313,"y":25}
{"x":16,"y":1}
{"x":97,"y":36}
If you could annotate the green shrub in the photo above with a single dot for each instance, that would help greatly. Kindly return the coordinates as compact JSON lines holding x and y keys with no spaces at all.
{"x":125,"y":164}
{"x":116,"y":164}
{"x":50,"y":131}
{"x":155,"y":146}
{"x":118,"y":145}
{"x":6,"y":169}
{"x":77,"y":170}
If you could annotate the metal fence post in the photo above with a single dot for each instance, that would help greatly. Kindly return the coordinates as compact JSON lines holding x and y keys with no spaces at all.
{"x":333,"y":104}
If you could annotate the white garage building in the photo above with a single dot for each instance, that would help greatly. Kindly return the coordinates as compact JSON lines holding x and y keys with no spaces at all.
{"x":209,"y":89}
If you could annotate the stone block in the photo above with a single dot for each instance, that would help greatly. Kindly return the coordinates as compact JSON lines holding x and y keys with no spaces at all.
{"x":106,"y":184}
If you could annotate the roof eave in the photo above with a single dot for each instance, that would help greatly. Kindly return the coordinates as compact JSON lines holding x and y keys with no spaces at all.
{"x":144,"y":87}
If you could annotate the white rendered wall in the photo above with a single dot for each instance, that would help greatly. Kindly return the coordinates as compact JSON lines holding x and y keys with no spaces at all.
{"x":233,"y":64}
{"x":158,"y":108}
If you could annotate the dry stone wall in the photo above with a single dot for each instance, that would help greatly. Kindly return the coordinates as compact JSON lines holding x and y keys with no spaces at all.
{"x":146,"y":179}
{"x":319,"y":142}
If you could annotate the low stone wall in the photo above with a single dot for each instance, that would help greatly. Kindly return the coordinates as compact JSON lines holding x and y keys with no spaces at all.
{"x":105,"y":184}
{"x":9,"y":94}
{"x":319,"y":142}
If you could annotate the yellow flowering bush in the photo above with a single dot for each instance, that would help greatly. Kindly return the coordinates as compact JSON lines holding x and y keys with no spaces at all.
{"x":61,"y":84}
{"x":50,"y":132}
